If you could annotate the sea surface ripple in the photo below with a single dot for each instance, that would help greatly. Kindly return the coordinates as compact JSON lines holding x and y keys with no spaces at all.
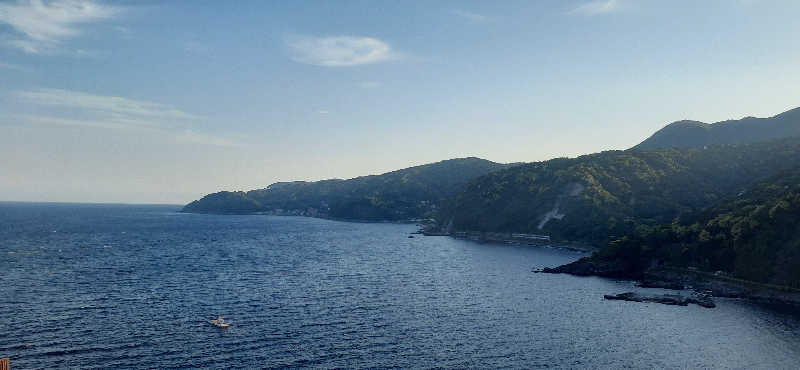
{"x":119,"y":286}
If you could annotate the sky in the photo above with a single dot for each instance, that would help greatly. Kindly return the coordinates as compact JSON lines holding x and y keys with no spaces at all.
{"x":163,"y":102}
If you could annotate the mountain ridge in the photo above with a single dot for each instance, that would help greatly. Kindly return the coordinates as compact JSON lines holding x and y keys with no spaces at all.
{"x":694,"y":134}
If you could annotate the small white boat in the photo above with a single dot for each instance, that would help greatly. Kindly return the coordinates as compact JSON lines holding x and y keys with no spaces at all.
{"x":220,"y":323}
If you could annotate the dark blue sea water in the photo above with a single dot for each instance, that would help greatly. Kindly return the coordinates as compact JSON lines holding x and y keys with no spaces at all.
{"x":104,"y":286}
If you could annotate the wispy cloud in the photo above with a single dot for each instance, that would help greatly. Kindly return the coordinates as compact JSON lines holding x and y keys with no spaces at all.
{"x":471,"y":16}
{"x":72,"y":108}
{"x":97,"y":122}
{"x":43,"y":24}
{"x":193,"y":137}
{"x":115,"y":105}
{"x":597,"y":7}
{"x":339,"y":51}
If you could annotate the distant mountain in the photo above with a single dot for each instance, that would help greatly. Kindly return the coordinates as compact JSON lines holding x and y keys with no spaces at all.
{"x":694,"y":134}
{"x":599,"y":197}
{"x":411,"y":193}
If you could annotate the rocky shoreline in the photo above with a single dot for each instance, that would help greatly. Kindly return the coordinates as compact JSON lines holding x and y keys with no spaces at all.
{"x":507,"y":238}
{"x":669,"y":299}
{"x":704,"y":284}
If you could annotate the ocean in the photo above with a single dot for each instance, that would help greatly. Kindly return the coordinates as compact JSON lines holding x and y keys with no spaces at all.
{"x":127,"y":286}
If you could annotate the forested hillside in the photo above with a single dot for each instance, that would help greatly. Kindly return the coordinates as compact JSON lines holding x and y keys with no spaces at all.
{"x":410,"y":193}
{"x":600,"y":197}
{"x":753,"y":235}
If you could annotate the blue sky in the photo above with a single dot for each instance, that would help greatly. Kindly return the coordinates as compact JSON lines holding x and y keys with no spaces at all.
{"x":137,"y":101}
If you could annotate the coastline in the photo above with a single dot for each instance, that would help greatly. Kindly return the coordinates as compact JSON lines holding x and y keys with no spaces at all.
{"x":720,"y":285}
{"x":511,"y":238}
{"x":702,"y":282}
{"x":317,"y":216}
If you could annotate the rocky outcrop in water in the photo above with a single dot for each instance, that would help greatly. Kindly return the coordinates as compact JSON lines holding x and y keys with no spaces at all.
{"x":669,"y":299}
{"x":588,"y":266}
{"x":704,"y":284}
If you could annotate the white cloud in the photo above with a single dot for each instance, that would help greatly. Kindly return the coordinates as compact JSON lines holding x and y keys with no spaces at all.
{"x":43,"y":24}
{"x":72,"y":108}
{"x":470,"y":16}
{"x":339,"y":51}
{"x":597,"y":7}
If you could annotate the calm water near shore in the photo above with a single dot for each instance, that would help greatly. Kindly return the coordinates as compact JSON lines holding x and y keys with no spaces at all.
{"x":100,"y":286}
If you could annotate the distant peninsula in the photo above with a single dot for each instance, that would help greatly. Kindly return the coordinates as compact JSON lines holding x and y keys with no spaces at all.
{"x":413,"y":193}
